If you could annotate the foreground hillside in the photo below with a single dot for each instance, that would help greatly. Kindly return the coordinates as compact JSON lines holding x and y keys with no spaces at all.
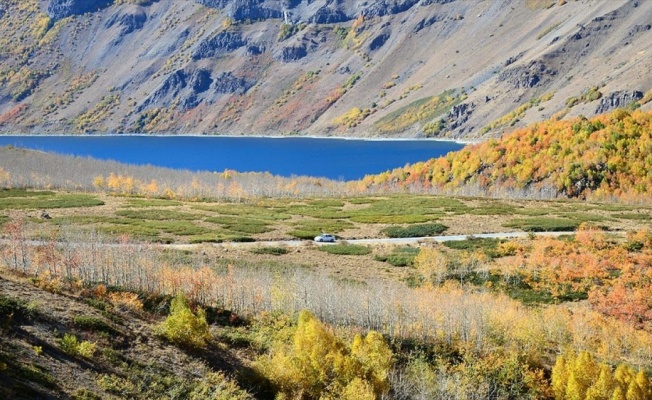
{"x":87,"y":313}
{"x":606,"y":156}
{"x":437,"y":68}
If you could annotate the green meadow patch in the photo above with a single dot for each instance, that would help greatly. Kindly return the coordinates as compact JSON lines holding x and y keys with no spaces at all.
{"x":542,"y":224}
{"x":5,"y":193}
{"x":272,"y":250}
{"x":158,"y":215}
{"x":308,"y":229}
{"x":486,"y":245}
{"x":346,"y":249}
{"x":146,"y":203}
{"x":633,"y":216}
{"x":399,"y":257}
{"x":419,"y":230}
{"x":49,"y":201}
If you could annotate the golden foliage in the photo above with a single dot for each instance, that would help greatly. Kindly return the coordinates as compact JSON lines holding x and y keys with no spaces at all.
{"x":581,"y":377}
{"x":184,"y":327}
{"x":604,"y":157}
{"x":318,"y":365}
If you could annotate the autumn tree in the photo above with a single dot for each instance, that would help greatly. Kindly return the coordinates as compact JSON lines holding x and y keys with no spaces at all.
{"x":183,"y":326}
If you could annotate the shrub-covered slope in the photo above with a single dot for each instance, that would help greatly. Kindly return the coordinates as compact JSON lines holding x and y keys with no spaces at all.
{"x":437,"y":68}
{"x":606,"y":156}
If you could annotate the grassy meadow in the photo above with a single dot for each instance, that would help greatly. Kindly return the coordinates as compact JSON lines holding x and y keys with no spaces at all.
{"x":477,"y":318}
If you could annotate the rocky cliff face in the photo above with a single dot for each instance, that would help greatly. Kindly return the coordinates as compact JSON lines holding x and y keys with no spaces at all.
{"x":59,"y":9}
{"x":319,"y":67}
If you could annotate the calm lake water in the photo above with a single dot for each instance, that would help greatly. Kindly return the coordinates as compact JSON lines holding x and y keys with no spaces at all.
{"x":330,"y":158}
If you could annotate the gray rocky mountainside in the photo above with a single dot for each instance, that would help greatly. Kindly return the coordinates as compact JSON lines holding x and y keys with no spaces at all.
{"x":391,"y":68}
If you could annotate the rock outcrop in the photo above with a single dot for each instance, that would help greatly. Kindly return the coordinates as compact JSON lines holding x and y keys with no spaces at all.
{"x":59,"y":9}
{"x":226,"y":82}
{"x":527,"y":76}
{"x":292,"y":53}
{"x":128,"y":22}
{"x":223,"y":42}
{"x":379,"y":41}
{"x":618,"y":99}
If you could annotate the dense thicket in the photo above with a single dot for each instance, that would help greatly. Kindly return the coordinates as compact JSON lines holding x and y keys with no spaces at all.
{"x":603,"y":157}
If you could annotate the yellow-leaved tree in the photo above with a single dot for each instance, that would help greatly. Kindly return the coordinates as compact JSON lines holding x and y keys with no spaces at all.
{"x":183,"y":326}
{"x":319,"y":365}
{"x":581,"y":377}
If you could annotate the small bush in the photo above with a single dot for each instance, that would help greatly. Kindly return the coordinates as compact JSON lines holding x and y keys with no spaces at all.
{"x":543,"y":224}
{"x":70,"y":345}
{"x":12,"y":311}
{"x":488,"y":246}
{"x":401,"y":257}
{"x":126,"y":301}
{"x":35,"y":373}
{"x":93,"y":324}
{"x":272,"y":250}
{"x":419,"y":230}
{"x":85,"y":394}
{"x":183,"y":327}
{"x":346,"y":249}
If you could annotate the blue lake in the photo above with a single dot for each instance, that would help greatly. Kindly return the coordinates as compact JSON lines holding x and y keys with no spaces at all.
{"x":330,"y":158}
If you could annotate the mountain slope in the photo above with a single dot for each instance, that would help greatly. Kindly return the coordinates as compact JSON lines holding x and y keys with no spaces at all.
{"x":437,"y":68}
{"x":606,"y":156}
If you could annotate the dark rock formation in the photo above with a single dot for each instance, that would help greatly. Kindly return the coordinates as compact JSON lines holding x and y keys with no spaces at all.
{"x":59,"y":9}
{"x":426,"y":22}
{"x":636,"y":29}
{"x":458,"y":115}
{"x":186,"y":86}
{"x":329,"y":15}
{"x":388,"y":7}
{"x":526,"y":76}
{"x":2,"y":11}
{"x":243,"y":10}
{"x":255,"y":50}
{"x":292,"y":53}
{"x":379,"y":41}
{"x":617,"y":100}
{"x":332,"y":11}
{"x":226,"y":82}
{"x":213,"y":3}
{"x":429,"y":2}
{"x":513,"y":59}
{"x":221,"y":43}
{"x":171,"y":87}
{"x":128,"y":22}
{"x":200,"y":81}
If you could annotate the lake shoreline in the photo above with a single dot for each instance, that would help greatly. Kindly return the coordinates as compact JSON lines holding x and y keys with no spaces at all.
{"x":352,"y":138}
{"x":344,"y":159}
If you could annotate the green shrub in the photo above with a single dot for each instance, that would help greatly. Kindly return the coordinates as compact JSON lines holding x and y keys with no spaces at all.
{"x":184,"y":327}
{"x":486,"y":245}
{"x":36,"y":374}
{"x":48,"y":202}
{"x":275,"y":251}
{"x":346,"y":249}
{"x":401,"y":257}
{"x":69,"y":344}
{"x":216,"y":386}
{"x":85,"y":394}
{"x":542,"y":224}
{"x":93,"y":324}
{"x":14,"y":311}
{"x":419,"y":230}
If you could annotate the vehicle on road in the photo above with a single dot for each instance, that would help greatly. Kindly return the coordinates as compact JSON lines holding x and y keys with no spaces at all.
{"x":325,"y":237}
